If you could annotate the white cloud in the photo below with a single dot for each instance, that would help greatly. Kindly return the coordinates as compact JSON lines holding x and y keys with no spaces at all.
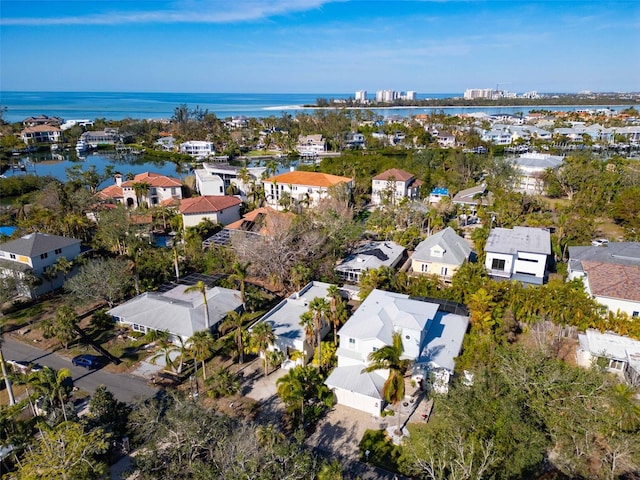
{"x":190,"y":11}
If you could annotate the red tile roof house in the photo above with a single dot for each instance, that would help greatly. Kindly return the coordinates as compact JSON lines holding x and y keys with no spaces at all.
{"x":161,"y":190}
{"x":218,"y":209}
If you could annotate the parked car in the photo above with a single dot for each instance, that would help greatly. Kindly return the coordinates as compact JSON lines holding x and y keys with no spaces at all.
{"x":87,"y":361}
{"x":19,"y":366}
{"x":600,"y":242}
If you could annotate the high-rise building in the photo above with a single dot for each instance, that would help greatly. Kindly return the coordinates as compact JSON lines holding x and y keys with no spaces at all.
{"x":361,"y":96}
{"x":411,"y":95}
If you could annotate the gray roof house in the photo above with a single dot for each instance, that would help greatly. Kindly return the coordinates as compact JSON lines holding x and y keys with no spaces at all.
{"x":431,"y":338}
{"x":441,"y":254}
{"x":35,"y":253}
{"x":620,"y":354}
{"x":179,"y":313}
{"x":518,"y":254}
{"x":371,"y":255}
{"x":474,"y":196}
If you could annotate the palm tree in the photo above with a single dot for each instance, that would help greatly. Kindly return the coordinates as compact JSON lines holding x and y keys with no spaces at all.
{"x":235,"y":321}
{"x":141,"y":189}
{"x":5,"y":375}
{"x":240,"y":272}
{"x":389,"y":358}
{"x":64,"y":266}
{"x":167,"y":349}
{"x":52,"y":385}
{"x":291,"y":391}
{"x":201,"y":346}
{"x":335,"y":299}
{"x":319,"y":308}
{"x":262,"y":337}
{"x":306,"y":322}
{"x":202,"y":288}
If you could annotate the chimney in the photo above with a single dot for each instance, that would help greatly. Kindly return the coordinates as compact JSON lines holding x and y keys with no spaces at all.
{"x":118,"y":179}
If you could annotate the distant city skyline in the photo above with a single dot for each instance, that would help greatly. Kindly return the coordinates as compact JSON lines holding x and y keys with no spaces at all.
{"x":304,"y":46}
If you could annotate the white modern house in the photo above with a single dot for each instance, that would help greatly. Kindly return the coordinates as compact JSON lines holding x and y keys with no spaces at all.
{"x":431,"y":338}
{"x":302,"y":188}
{"x":393,"y":185}
{"x":179,"y":313}
{"x":35,"y":253}
{"x":284,"y":318}
{"x":370,"y":256}
{"x":441,"y":254}
{"x":198,"y":148}
{"x":620,"y":355}
{"x":531,"y":167}
{"x":218,"y":209}
{"x":217,"y":179}
{"x":518,"y":254}
{"x":610,"y":273}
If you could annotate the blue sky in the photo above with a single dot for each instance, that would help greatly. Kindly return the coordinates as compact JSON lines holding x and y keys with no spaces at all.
{"x":320,"y":46}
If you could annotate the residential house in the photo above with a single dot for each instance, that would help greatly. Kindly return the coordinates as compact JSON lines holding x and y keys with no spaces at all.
{"x":41,"y":134}
{"x":219,"y":179}
{"x":35,"y":254}
{"x":446,"y":139}
{"x":166,"y":143}
{"x":441,"y":254}
{"x":531,"y":167}
{"x":370,"y":256}
{"x":620,"y":355}
{"x":472,"y":198}
{"x":198,"y":148}
{"x":42,"y":120}
{"x":108,"y":136}
{"x":157,"y":189}
{"x":497,"y":137}
{"x":311,"y":144}
{"x":354,"y":140}
{"x":177,"y":312}
{"x":302,"y":188}
{"x":431,"y":339}
{"x":610,"y":273}
{"x":217,"y":209}
{"x":393,"y":185}
{"x":521,"y":254}
{"x":261,"y":222}
{"x":284,"y":318}
{"x":437,"y":194}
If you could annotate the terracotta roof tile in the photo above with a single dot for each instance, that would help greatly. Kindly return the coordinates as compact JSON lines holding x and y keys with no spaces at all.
{"x":273,"y":220}
{"x":112,"y":191}
{"x":207,"y":204}
{"x":311,"y":179}
{"x":154,"y":180}
{"x":396,"y":173}
{"x":613,"y":280}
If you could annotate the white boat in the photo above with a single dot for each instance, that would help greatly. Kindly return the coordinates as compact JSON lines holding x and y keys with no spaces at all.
{"x":81,"y":146}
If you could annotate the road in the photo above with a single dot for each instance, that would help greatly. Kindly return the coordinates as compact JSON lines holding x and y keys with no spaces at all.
{"x":125,"y":387}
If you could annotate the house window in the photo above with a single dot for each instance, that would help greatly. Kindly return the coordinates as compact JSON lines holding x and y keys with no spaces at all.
{"x":44,"y":255}
{"x":352,"y":343}
{"x":138,"y":328}
{"x":408,"y":337}
{"x":221,"y":190}
{"x":497,"y":264}
{"x":58,"y":251}
{"x":11,"y":255}
{"x":375,"y":349}
{"x":635,"y":314}
{"x":616,"y":364}
{"x":424,"y":267}
{"x":443,"y":271}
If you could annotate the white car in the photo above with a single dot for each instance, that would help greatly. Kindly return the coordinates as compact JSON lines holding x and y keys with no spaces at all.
{"x":600,"y":242}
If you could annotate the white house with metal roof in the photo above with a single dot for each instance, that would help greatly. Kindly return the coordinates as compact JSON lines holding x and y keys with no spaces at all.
{"x":431,"y":338}
{"x":370,"y":256}
{"x":441,"y":254}
{"x":36,"y":253}
{"x":284,"y":318}
{"x":620,"y":354}
{"x":531,"y":167}
{"x":176,"y":311}
{"x":519,"y":254}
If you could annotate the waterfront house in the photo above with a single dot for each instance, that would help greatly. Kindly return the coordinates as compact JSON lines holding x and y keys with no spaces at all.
{"x":302,"y":188}
{"x":610,"y":273}
{"x":521,"y":254}
{"x":222,"y":179}
{"x":369,"y":256}
{"x":431,"y":338}
{"x":198,"y":148}
{"x":441,"y":254}
{"x":108,"y":136}
{"x":218,"y":209}
{"x":311,"y":144}
{"x":393,"y":185}
{"x":41,"y":133}
{"x":177,"y":312}
{"x":36,"y":254}
{"x":42,"y":120}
